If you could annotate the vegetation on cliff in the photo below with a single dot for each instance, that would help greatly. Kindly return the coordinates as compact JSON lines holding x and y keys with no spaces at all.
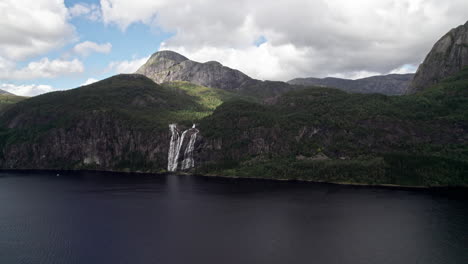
{"x":318,"y":134}
{"x":323,"y":134}
{"x":9,"y":99}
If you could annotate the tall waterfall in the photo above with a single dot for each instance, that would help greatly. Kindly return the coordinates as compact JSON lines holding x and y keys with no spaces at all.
{"x":176,"y":146}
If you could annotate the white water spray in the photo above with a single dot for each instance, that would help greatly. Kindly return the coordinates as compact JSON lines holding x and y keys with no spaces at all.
{"x":175,"y":147}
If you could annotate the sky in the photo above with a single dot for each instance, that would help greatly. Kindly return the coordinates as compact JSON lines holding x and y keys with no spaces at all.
{"x":49,"y":45}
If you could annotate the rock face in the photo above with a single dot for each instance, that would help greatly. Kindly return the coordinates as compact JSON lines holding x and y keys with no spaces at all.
{"x":166,"y":66}
{"x":448,"y":56}
{"x":392,"y":84}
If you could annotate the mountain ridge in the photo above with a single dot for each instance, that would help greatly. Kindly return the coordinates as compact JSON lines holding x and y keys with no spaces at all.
{"x":390,"y":84}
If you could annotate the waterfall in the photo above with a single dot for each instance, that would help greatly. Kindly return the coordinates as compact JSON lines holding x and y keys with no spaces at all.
{"x":175,"y":146}
{"x":188,"y":161}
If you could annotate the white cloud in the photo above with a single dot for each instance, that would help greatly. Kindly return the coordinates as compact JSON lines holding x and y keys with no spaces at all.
{"x":262,"y":62}
{"x":354,"y":75}
{"x":304,"y":37}
{"x":407,"y":68}
{"x":26,"y":90}
{"x":124,"y":13}
{"x":32,"y":27}
{"x":89,"y":81}
{"x":87,"y":47}
{"x":44,"y":68}
{"x":126,"y":66}
{"x":89,"y":11}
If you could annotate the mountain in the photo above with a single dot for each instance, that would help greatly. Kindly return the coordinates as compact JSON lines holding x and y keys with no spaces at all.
{"x":4,"y":92}
{"x":324,"y":134}
{"x":130,"y":123}
{"x":120,"y":123}
{"x":448,"y":56}
{"x":112,"y":124}
{"x":169,"y":66}
{"x":319,"y":134}
{"x":392,"y":84}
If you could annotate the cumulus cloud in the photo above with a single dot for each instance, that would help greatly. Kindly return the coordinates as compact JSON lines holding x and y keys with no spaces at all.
{"x":263,"y":62}
{"x":126,"y":66}
{"x":43,"y":68}
{"x":87,"y":47}
{"x":300,"y":37}
{"x":26,"y":90}
{"x":89,"y":81}
{"x":32,"y":27}
{"x":88,"y":11}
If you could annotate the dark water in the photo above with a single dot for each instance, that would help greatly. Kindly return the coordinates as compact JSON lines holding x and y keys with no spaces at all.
{"x":109,"y":218}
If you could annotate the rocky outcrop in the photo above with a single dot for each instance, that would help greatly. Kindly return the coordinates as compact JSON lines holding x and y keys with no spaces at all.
{"x":167,"y":66}
{"x":392,"y":84}
{"x":448,"y":56}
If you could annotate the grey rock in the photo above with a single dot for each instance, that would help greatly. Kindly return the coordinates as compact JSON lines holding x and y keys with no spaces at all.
{"x":167,"y":66}
{"x":392,"y":84}
{"x":448,"y":56}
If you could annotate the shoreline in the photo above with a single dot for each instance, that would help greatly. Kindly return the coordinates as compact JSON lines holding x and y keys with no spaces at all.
{"x":384,"y":185}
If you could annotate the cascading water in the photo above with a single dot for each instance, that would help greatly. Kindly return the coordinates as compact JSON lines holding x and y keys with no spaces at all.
{"x":175,"y":147}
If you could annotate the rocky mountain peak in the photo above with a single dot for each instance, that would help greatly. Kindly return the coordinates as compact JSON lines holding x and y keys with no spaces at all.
{"x":168,"y":55}
{"x":448,"y":56}
{"x":167,"y":66}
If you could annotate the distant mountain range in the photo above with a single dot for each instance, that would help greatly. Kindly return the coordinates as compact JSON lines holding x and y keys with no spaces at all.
{"x":392,"y":84}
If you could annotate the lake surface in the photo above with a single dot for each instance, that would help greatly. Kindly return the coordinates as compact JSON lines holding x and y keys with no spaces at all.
{"x":114,"y":218}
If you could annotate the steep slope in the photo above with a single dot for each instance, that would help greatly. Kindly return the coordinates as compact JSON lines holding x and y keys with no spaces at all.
{"x":392,"y":84}
{"x":323,"y":134}
{"x":120,"y":123}
{"x":448,"y":56}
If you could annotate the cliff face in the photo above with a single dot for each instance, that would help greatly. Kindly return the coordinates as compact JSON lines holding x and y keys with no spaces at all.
{"x":392,"y":84}
{"x":448,"y":56}
{"x":168,"y":66}
{"x":120,"y":123}
{"x":98,"y":141}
